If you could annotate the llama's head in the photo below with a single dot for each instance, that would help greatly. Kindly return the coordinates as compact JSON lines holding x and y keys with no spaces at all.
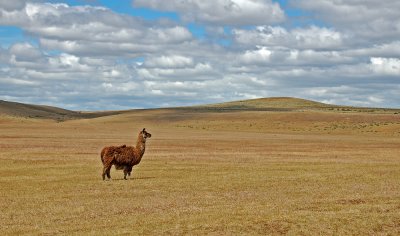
{"x":145,"y":134}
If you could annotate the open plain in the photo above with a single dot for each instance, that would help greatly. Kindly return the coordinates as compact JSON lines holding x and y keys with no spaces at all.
{"x":254,"y":168}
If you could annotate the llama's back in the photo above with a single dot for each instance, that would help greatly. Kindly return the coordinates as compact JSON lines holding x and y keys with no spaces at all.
{"x":110,"y":151}
{"x":124,"y":155}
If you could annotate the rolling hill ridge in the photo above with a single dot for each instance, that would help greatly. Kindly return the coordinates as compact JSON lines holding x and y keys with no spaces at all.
{"x":277,"y":104}
{"x":17,"y":109}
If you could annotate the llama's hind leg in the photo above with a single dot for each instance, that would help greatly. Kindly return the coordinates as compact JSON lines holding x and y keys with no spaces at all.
{"x":106,"y":171}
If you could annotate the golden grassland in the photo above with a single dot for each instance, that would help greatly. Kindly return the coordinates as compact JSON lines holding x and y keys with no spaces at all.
{"x":237,"y":172}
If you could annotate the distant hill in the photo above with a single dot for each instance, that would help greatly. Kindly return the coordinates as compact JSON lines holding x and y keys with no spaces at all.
{"x":273,"y":103}
{"x":285,"y":104}
{"x":46,"y":112}
{"x":262,"y":104}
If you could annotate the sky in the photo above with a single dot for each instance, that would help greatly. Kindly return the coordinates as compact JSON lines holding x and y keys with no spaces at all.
{"x":109,"y":55}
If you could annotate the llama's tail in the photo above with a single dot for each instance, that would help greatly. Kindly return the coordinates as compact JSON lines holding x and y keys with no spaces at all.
{"x":102,"y":155}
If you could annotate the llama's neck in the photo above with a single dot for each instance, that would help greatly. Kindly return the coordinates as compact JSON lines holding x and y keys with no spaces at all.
{"x":140,"y":145}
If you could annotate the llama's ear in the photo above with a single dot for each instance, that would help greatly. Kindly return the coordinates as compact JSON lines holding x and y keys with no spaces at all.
{"x":144,"y":129}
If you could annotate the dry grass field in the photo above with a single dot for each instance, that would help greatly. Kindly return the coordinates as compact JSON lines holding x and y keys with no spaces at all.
{"x":328,"y":171}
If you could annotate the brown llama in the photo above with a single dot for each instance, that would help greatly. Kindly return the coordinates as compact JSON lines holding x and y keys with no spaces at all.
{"x":124,"y":157}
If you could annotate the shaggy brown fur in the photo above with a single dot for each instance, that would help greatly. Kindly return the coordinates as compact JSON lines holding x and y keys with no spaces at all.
{"x":124,"y":157}
{"x":109,"y":149}
{"x":115,"y":150}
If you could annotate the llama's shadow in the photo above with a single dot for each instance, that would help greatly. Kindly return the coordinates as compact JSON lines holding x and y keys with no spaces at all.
{"x":136,"y":178}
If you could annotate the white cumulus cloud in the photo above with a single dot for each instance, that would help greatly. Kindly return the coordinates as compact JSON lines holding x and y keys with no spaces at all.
{"x":220,"y":12}
{"x":92,"y":57}
{"x":174,"y":61}
{"x":300,"y":38}
{"x":386,"y":66}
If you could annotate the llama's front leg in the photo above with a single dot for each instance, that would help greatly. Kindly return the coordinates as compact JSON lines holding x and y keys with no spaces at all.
{"x":129,"y":170}
{"x":125,"y":172}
